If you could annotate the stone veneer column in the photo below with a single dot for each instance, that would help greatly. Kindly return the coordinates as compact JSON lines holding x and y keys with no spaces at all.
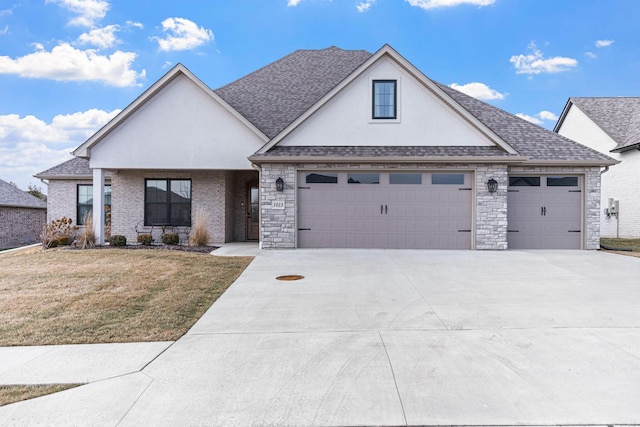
{"x":491,"y":209}
{"x":278,"y":224}
{"x":592,"y":210}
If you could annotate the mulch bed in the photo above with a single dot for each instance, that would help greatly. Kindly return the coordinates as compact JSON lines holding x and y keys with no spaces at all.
{"x":183,"y":248}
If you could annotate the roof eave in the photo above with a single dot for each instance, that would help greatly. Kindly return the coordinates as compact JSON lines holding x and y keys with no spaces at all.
{"x":564,"y":113}
{"x":626,"y":148}
{"x":258,"y":159}
{"x":2,"y":205}
{"x":590,"y":163}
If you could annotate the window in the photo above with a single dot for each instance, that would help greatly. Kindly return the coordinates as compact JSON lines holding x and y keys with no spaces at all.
{"x":562,"y":181}
{"x":321,"y":178}
{"x":447,"y":178}
{"x":384,"y":99}
{"x":363,"y":178}
{"x":167,"y":202}
{"x":405,"y":178}
{"x":85,"y":201}
{"x":524,"y":181}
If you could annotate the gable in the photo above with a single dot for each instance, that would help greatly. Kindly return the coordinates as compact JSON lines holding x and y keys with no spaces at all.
{"x":423,"y":119}
{"x":578,"y":126}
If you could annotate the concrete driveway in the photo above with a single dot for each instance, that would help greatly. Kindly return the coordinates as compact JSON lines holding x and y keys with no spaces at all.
{"x":391,"y":337}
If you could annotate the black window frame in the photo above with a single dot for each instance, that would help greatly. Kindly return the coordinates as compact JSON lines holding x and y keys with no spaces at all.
{"x":88,"y":207}
{"x":374,"y":102}
{"x":169,"y":205}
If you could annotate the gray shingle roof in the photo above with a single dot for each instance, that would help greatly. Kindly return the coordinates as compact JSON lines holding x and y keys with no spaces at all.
{"x":274,"y":96}
{"x":75,"y":167}
{"x":384,"y":151}
{"x":619,"y":117}
{"x":526,"y":138}
{"x":14,"y":197}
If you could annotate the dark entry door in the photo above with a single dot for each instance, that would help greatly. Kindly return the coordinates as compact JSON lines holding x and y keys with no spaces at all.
{"x":253,"y":211}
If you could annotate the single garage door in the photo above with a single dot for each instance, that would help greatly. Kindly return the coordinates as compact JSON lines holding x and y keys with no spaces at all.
{"x":544,"y":212}
{"x":400,"y":210}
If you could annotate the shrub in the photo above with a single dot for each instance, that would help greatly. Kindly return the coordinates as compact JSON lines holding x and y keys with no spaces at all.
{"x":117,"y":240}
{"x":171,"y":239}
{"x":200,"y":232}
{"x":107,"y":223}
{"x":145,"y":239}
{"x":58,"y":232}
{"x":88,"y":235}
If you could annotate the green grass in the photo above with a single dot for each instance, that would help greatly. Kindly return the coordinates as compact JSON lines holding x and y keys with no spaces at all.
{"x":633,"y":244}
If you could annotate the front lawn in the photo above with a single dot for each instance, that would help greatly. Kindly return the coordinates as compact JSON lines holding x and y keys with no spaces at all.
{"x":633,"y":244}
{"x":107,"y":295}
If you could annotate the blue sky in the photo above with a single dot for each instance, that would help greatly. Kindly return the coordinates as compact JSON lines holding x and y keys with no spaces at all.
{"x":68,"y":66}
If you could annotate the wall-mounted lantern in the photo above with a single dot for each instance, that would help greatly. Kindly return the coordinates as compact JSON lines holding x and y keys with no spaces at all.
{"x":279,"y":184}
{"x":492,"y":185}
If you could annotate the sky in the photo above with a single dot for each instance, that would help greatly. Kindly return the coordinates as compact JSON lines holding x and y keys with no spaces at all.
{"x":69,"y":66}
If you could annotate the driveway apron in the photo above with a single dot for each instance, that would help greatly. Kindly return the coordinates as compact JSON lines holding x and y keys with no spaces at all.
{"x":391,"y":337}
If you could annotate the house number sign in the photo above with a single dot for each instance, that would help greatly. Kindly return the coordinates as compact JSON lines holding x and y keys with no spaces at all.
{"x":277,"y":204}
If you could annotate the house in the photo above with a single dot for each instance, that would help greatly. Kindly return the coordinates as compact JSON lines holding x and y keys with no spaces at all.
{"x":340,"y":148}
{"x":22,"y":216}
{"x":610,"y":126}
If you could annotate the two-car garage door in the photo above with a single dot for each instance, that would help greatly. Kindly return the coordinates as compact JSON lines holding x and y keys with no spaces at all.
{"x":421,"y":210}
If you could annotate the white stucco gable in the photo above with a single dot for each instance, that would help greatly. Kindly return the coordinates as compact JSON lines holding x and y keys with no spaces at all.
{"x":426,"y":116}
{"x":576,"y":125}
{"x":179,"y":123}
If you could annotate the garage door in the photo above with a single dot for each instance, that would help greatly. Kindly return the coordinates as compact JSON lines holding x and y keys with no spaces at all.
{"x":544,"y":212}
{"x":384,"y":210}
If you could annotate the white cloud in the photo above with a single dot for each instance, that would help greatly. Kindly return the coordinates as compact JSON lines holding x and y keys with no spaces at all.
{"x":591,"y":55}
{"x":6,"y":12}
{"x":529,"y":118}
{"x":604,"y":43}
{"x":547,"y":115}
{"x":536,"y":63}
{"x":5,"y":30}
{"x":88,"y":11}
{"x":434,"y":4}
{"x":101,"y":37}
{"x":135,"y":24}
{"x":293,"y":2}
{"x":538,"y":118}
{"x":365,"y":5}
{"x":183,"y":34}
{"x":66,"y":63}
{"x":478,"y":90}
{"x":29,"y":145}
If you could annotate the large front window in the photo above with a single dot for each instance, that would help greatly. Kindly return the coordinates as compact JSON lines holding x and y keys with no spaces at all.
{"x":167,"y":202}
{"x":85,"y":201}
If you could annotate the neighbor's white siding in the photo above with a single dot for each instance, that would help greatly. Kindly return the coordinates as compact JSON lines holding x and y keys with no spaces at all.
{"x":181,"y":127}
{"x":621,"y":182}
{"x":423,"y":118}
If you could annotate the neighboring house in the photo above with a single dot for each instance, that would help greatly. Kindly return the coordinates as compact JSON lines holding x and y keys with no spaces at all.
{"x":335,"y":148}
{"x":611,"y":126}
{"x":22,"y":216}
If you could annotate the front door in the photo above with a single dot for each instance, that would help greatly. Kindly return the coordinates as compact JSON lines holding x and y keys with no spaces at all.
{"x":253,"y":211}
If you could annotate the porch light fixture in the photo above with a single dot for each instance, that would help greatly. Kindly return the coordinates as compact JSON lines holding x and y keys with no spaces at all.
{"x":279,"y":184}
{"x":492,"y":185}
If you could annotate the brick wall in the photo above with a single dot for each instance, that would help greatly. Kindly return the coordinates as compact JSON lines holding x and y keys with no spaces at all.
{"x":20,"y":226}
{"x":62,"y":198}
{"x":207,"y":192}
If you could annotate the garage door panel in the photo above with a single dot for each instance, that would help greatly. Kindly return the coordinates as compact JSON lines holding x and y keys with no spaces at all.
{"x":383,"y":215}
{"x":544,"y":217}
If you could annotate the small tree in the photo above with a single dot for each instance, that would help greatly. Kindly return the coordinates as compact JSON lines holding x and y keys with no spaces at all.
{"x":37,"y":192}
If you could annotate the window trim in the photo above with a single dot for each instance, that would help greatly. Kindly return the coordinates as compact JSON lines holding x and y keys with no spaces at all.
{"x":168,"y":203}
{"x":79,"y":218}
{"x":397,"y":100}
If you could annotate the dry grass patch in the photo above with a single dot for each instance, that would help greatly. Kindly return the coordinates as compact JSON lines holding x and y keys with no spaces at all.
{"x":107,"y":295}
{"x":16,"y":393}
{"x":633,"y":244}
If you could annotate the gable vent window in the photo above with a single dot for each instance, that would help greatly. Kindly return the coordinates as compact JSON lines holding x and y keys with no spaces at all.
{"x":385,"y":99}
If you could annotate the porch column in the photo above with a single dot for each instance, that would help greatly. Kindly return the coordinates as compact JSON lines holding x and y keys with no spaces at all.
{"x":98,"y":205}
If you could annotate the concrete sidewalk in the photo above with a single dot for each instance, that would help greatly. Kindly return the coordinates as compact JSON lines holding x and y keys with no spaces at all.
{"x":374,"y":337}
